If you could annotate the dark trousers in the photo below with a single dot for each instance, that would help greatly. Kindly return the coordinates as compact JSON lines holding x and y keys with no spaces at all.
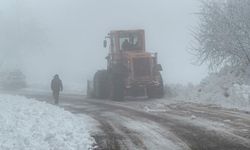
{"x":56,"y":96}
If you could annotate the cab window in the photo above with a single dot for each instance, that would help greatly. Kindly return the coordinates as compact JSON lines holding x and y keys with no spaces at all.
{"x":130,"y":42}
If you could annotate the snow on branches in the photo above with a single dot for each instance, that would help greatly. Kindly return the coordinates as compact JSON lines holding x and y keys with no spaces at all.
{"x":223,"y":34}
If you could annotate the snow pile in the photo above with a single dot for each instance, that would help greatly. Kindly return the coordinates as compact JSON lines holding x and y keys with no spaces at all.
{"x":230,"y":88}
{"x":29,"y":124}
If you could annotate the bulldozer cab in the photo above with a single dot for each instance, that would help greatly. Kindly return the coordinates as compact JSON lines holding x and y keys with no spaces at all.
{"x":126,"y":40}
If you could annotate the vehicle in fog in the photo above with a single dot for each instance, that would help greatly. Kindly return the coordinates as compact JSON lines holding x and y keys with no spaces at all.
{"x":131,"y":70}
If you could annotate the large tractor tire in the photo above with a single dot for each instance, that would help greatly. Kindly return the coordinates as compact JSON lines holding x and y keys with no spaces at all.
{"x":156,"y":91}
{"x":101,"y":84}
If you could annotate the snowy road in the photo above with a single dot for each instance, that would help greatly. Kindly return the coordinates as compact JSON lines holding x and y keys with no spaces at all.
{"x":134,"y":125}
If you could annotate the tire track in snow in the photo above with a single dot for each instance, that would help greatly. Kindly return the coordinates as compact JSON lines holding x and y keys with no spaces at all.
{"x":195,"y":136}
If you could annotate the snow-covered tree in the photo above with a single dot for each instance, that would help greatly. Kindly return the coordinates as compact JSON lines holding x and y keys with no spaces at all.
{"x":223,"y":35}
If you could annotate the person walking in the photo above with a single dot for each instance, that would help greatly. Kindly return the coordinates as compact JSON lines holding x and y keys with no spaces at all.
{"x":56,"y":87}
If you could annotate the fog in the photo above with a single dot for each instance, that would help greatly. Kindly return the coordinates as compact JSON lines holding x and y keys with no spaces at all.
{"x":65,"y":37}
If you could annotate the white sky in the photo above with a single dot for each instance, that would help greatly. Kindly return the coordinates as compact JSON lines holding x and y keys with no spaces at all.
{"x":65,"y":36}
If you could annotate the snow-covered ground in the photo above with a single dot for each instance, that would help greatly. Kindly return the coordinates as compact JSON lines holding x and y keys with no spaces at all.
{"x":230,"y":88}
{"x":31,"y":125}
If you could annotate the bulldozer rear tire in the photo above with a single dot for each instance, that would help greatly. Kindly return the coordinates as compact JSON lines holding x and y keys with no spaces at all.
{"x":101,"y":84}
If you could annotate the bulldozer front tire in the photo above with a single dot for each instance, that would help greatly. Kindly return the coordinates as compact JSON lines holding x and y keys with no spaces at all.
{"x":156,"y":91}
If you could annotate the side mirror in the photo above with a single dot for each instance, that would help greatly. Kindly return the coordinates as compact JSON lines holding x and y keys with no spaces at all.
{"x":105,"y":43}
{"x":158,"y":67}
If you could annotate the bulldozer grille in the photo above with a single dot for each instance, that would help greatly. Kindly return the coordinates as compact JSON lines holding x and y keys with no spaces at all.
{"x":142,"y":67}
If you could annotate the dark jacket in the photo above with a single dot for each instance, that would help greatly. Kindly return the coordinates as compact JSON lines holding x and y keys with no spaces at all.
{"x":56,"y":84}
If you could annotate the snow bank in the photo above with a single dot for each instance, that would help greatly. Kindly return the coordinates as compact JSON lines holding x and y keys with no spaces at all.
{"x":229,"y":88}
{"x":29,"y":124}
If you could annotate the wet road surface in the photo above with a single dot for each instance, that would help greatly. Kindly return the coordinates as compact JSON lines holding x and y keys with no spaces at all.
{"x":123,"y":125}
